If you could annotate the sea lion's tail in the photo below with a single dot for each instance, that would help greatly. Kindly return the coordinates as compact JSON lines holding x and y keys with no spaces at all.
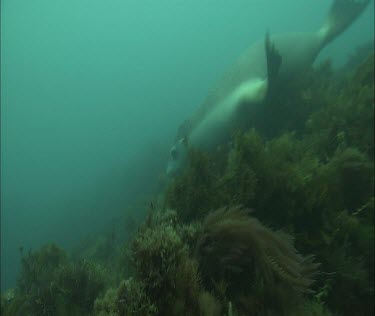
{"x":341,"y":14}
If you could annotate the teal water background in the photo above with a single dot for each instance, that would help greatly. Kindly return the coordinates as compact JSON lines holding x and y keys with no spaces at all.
{"x":92,"y":93}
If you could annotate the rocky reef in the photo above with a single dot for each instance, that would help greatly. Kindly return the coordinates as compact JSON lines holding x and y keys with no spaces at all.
{"x":279,"y":221}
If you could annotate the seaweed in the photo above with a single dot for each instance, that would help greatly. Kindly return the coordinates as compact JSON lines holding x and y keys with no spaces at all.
{"x":161,"y":260}
{"x":79,"y":285}
{"x":347,"y":120}
{"x":192,"y":193}
{"x":51,"y":284}
{"x":304,"y":181}
{"x":252,"y":261}
{"x":298,"y":175}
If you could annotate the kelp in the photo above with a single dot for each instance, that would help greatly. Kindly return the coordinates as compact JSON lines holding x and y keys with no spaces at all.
{"x":51,"y":284}
{"x":252,"y":261}
{"x":162,"y":264}
{"x":193,"y":192}
{"x":233,"y":242}
{"x":305,"y":179}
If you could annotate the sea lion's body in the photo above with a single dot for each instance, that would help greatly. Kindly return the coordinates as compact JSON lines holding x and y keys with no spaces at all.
{"x":252,"y":78}
{"x":252,"y":65}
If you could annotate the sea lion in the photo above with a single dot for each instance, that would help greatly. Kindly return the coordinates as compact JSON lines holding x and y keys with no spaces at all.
{"x":252,"y":78}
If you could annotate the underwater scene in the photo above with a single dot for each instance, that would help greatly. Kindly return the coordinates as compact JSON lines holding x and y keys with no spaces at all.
{"x":198,"y":158}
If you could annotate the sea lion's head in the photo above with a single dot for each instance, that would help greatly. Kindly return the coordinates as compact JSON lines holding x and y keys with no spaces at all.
{"x":178,"y":156}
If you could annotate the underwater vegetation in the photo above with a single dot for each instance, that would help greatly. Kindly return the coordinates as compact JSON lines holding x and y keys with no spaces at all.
{"x":51,"y":284}
{"x":357,"y":57}
{"x":279,"y":221}
{"x":194,"y":269}
{"x":311,"y":175}
{"x":251,"y":265}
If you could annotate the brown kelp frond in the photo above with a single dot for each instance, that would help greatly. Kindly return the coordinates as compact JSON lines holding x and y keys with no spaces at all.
{"x":235,"y":246}
{"x":234,"y":213}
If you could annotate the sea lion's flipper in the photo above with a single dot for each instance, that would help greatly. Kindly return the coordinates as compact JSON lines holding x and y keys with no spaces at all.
{"x":274,"y":60}
{"x":257,"y":90}
{"x":341,"y":14}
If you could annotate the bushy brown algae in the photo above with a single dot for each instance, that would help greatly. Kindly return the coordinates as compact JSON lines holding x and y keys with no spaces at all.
{"x":51,"y":284}
{"x":250,"y":259}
